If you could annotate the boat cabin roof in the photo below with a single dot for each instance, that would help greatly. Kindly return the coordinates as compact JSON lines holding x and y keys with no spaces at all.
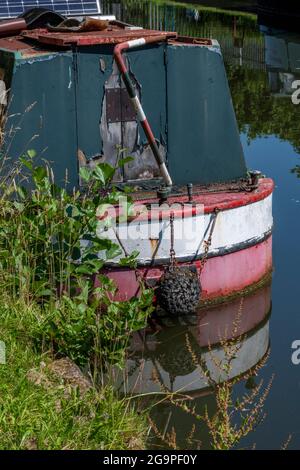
{"x":36,"y":41}
{"x":114,"y":34}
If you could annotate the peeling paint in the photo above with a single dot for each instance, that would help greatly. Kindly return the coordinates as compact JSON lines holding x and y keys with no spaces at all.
{"x":214,"y":47}
{"x":235,"y":229}
{"x":126,"y":135}
{"x":102,"y":64}
{"x":34,"y":59}
{"x":70,"y":78}
{"x":154,"y":245}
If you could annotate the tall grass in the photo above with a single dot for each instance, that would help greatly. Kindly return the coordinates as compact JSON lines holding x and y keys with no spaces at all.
{"x":51,"y":414}
{"x":43,"y":259}
{"x":50,"y":307}
{"x":233,"y":416}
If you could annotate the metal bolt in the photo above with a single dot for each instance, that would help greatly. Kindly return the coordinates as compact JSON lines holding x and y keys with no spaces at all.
{"x":255,"y":175}
{"x":190,"y":191}
{"x":163,"y":193}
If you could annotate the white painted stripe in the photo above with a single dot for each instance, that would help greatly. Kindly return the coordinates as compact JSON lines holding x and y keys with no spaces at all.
{"x":136,"y":43}
{"x":138,"y":108}
{"x":233,"y":227}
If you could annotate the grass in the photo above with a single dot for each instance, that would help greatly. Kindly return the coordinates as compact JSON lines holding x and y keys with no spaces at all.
{"x":52,"y":313}
{"x":38,"y":417}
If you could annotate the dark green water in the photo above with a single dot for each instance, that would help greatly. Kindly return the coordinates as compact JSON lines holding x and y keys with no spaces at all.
{"x":261,"y":64}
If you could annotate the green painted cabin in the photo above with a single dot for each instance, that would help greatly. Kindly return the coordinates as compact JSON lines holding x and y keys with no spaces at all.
{"x":66,"y":100}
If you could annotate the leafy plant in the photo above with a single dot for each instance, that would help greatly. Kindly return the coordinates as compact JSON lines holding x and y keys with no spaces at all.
{"x":51,"y":252}
{"x":93,"y":327}
{"x":46,"y":413}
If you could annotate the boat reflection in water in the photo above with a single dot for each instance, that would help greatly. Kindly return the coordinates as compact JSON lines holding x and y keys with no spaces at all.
{"x":282,"y":53}
{"x":229,"y":341}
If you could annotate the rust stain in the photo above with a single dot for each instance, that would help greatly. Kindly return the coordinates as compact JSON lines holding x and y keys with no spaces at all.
{"x":113,"y":35}
{"x":154,"y":245}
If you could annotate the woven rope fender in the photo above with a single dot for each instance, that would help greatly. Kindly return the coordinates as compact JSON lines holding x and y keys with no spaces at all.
{"x":179,"y":288}
{"x":179,"y":291}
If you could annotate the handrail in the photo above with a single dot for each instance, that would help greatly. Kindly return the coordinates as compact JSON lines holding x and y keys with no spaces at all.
{"x":118,"y":50}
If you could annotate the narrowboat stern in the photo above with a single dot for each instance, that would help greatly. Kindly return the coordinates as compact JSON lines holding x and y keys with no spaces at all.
{"x":165,"y":101}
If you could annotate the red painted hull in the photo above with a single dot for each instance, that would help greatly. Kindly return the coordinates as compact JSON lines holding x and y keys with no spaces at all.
{"x":221,"y":276}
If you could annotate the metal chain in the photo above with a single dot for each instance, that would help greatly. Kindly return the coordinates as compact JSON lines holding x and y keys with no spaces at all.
{"x":172,"y":250}
{"x":141,"y":279}
{"x":207,"y":242}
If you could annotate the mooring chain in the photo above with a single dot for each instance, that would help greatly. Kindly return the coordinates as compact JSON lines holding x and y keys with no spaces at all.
{"x":207,"y":243}
{"x":179,"y":288}
{"x":172,"y":250}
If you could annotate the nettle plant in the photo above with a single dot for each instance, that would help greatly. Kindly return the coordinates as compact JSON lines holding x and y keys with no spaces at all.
{"x":43,"y":259}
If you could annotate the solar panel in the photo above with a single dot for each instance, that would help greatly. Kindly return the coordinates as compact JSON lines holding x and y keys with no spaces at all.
{"x":13,"y":8}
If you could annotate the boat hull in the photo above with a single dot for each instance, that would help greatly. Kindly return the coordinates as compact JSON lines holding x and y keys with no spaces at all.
{"x":222,"y":277}
{"x":239,"y":256}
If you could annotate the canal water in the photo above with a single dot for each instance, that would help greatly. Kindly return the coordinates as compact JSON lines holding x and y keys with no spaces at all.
{"x":261,"y":64}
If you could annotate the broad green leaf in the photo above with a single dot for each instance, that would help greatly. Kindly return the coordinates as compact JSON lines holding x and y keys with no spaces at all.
{"x":113,"y":252}
{"x":39,"y":173}
{"x":131,"y":260}
{"x":85,"y":174}
{"x":125,"y":160}
{"x":76,"y":253}
{"x":104,"y":172}
{"x":31,"y":153}
{"x":83,"y":269}
{"x":72,"y":211}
